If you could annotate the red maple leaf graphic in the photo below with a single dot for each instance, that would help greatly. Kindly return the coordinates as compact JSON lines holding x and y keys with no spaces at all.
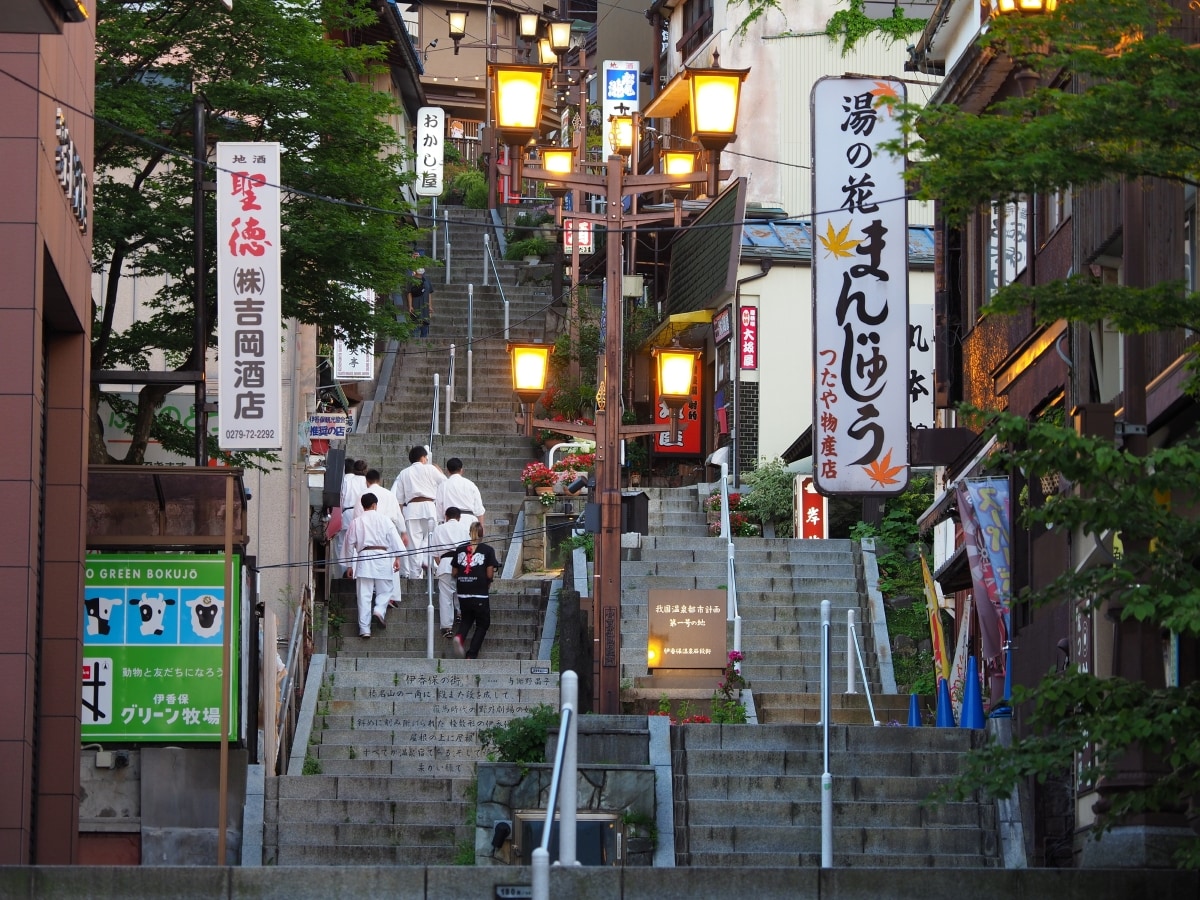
{"x":885,"y":95}
{"x":882,"y":472}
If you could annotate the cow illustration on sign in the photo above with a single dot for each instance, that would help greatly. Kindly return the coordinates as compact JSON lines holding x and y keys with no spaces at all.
{"x":152,"y":610}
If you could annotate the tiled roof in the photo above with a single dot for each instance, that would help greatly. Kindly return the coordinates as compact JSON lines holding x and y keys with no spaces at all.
{"x":783,"y":239}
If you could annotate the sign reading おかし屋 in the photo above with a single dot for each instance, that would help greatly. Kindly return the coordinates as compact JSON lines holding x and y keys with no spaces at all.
{"x":152,"y":647}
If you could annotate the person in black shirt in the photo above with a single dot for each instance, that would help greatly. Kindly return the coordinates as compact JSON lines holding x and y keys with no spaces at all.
{"x":474,"y":565}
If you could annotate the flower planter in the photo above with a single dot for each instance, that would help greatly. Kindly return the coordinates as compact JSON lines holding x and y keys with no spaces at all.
{"x":545,"y":489}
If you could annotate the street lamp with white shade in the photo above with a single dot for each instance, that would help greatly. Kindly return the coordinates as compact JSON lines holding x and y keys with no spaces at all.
{"x":530,"y":363}
{"x":675,"y":367}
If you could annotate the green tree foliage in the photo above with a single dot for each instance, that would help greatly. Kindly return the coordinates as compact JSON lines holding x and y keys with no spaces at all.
{"x":270,"y":72}
{"x":1119,"y":97}
{"x":770,"y":496}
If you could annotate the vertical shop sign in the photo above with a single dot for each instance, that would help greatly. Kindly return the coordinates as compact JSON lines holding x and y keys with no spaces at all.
{"x":248,"y":297}
{"x":811,"y":510}
{"x":621,"y":79}
{"x":860,"y":289}
{"x":355,"y":363}
{"x":152,"y":646}
{"x":431,"y":150}
{"x":748,"y":338}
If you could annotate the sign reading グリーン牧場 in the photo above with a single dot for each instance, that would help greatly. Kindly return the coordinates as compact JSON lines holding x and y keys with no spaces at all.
{"x":152,"y":647}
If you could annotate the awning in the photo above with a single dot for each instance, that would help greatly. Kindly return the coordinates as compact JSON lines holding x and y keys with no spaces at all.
{"x":670,"y":100}
{"x":675,"y":326}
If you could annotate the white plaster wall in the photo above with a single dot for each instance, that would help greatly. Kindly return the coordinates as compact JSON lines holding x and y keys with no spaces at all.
{"x":785,"y":373}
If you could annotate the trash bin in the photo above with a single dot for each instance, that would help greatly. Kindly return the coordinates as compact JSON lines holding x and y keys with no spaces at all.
{"x":635,"y":512}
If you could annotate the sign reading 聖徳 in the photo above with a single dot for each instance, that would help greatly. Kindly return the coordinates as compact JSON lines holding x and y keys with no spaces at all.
{"x":248,"y":297}
{"x":152,"y":646}
{"x":860,"y":289}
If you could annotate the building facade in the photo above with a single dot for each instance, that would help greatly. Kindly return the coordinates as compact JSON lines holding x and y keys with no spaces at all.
{"x":46,"y":132}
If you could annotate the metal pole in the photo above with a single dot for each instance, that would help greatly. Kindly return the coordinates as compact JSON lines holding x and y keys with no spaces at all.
{"x":223,"y":713}
{"x":608,"y":471}
{"x":487,"y":258}
{"x":826,"y":778}
{"x":429,"y":576}
{"x":850,"y":652}
{"x":434,"y":236}
{"x":200,"y":336}
{"x":446,"y":220}
{"x":470,"y":342}
{"x":450,"y":379}
{"x":433,"y":422}
{"x":569,"y":795}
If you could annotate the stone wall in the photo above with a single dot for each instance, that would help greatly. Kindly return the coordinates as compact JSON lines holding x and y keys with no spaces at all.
{"x":504,"y":788}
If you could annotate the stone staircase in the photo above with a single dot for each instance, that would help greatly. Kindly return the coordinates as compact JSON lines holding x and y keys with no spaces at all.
{"x":396,"y":737}
{"x":781,"y":584}
{"x":751,"y":796}
{"x":486,"y":432}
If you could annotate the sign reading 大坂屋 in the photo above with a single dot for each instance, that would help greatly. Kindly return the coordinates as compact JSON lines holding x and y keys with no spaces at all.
{"x":152,"y":647}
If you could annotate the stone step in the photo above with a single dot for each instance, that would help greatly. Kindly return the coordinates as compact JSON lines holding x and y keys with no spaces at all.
{"x":862,"y":788}
{"x":804,"y":811}
{"x":370,"y":855}
{"x":793,"y":860}
{"x":868,"y":841}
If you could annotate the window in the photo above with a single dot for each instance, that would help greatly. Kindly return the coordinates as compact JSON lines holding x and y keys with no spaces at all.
{"x":697,"y":26}
{"x":1007,"y":239}
{"x":1190,"y":263}
{"x":1058,"y":210}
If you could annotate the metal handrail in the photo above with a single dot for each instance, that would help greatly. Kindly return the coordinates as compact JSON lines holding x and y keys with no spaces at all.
{"x":565,"y":768}
{"x":450,"y":384}
{"x":720,"y":458}
{"x":433,"y":420}
{"x":854,"y":651}
{"x":295,"y":661}
{"x":489,"y":266}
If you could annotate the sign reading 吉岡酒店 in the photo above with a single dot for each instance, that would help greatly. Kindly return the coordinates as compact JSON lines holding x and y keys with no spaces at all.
{"x":620,"y":96}
{"x":860,"y":289}
{"x":748,"y":338}
{"x":687,"y":629}
{"x":355,"y":363}
{"x":431,"y":150}
{"x":152,"y":646}
{"x":248,"y":297}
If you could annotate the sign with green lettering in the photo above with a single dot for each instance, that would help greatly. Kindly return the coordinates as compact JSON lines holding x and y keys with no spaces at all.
{"x":153,"y":628}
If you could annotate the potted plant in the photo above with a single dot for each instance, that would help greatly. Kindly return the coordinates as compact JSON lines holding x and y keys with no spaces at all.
{"x":572,"y":466}
{"x":539,"y":477}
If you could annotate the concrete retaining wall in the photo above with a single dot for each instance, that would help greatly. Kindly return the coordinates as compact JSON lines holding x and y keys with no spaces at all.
{"x":443,"y":882}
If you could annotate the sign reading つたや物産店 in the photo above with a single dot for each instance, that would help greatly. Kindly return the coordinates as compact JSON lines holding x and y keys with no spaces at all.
{"x":860,"y":289}
{"x":152,"y":647}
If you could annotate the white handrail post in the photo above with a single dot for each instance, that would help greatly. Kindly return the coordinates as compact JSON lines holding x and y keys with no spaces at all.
{"x":470,"y":343}
{"x":487,"y":256}
{"x":506,"y":335}
{"x":446,"y":219}
{"x":437,"y":383}
{"x":449,"y":389}
{"x":568,"y":796}
{"x":541,"y":874}
{"x":429,"y":611}
{"x":826,"y":715}
{"x":851,"y":652}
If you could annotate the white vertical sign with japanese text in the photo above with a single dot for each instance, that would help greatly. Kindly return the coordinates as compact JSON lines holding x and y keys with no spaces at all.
{"x":431,"y":150}
{"x":860,"y":289}
{"x":620,"y":96}
{"x":248,"y":297}
{"x":354,"y":363}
